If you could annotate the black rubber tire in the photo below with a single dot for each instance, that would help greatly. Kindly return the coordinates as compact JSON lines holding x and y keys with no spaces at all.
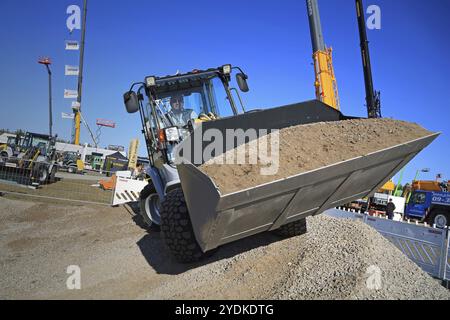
{"x":176,"y":229}
{"x":40,"y":173}
{"x":431,"y":219}
{"x":52,"y":177}
{"x":293,"y":229}
{"x":148,"y":190}
{"x":43,"y":174}
{"x":4,"y":156}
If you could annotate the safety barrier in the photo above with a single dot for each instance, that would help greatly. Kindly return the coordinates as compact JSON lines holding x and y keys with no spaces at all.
{"x":53,"y":181}
{"x":428,"y":247}
{"x":127,"y":189}
{"x":447,"y":267}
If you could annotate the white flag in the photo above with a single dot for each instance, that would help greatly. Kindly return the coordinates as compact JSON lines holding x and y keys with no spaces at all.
{"x":76,"y":104}
{"x":70,"y":94}
{"x":72,"y":70}
{"x":67,"y":116}
{"x":72,"y":45}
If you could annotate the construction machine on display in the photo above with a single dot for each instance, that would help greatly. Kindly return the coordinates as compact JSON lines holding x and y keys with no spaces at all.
{"x":33,"y":161}
{"x":195,"y":217}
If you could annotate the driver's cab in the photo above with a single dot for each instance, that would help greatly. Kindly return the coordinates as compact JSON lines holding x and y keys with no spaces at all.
{"x":181,"y":107}
{"x":173,"y":106}
{"x":37,"y":142}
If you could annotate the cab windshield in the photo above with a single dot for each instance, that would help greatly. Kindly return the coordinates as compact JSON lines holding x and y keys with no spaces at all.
{"x":35,"y":141}
{"x":181,"y":107}
{"x":190,"y":100}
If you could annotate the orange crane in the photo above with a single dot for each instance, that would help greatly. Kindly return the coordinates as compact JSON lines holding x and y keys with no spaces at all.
{"x":325,"y":82}
{"x":325,"y":79}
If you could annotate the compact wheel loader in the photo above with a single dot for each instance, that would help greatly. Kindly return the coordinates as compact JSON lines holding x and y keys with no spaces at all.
{"x":33,"y":160}
{"x":195,"y":218}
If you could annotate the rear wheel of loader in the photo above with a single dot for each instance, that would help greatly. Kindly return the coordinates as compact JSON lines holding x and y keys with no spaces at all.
{"x":176,"y":228}
{"x":292,"y":229}
{"x":40,"y":173}
{"x":150,"y":207}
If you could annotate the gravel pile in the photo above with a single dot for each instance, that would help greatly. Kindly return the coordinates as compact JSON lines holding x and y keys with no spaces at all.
{"x":341,"y":259}
{"x":336,"y":260}
{"x":120,"y":260}
{"x":307,"y":147}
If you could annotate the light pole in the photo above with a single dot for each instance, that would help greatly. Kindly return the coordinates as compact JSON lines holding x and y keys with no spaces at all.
{"x":425,"y":170}
{"x":47,"y":62}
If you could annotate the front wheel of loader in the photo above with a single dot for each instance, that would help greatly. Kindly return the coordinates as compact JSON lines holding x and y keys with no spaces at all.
{"x":176,"y":228}
{"x":293,"y":229}
{"x":52,"y":178}
{"x":150,"y":207}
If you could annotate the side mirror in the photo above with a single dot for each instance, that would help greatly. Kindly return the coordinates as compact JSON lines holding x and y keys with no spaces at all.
{"x":242,"y":82}
{"x":131,"y":102}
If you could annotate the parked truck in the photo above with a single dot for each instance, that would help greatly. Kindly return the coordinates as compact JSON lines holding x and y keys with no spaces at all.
{"x":430,"y":206}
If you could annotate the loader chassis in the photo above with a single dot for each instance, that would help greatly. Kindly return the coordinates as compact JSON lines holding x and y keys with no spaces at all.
{"x":195,"y":217}
{"x":206,"y":95}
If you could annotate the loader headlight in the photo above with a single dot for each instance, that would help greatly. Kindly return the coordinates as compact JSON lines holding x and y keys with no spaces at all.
{"x":150,"y":81}
{"x":172,"y":134}
{"x":226,"y":69}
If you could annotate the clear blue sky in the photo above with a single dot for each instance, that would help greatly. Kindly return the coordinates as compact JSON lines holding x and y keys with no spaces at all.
{"x":128,"y":40}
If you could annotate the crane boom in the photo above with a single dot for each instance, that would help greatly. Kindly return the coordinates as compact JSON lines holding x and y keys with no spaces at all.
{"x":77,"y":110}
{"x":325,"y":80}
{"x":372,"y":97}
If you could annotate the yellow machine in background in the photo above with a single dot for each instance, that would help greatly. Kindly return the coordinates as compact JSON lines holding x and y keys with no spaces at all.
{"x":388,"y":188}
{"x":427,"y":186}
{"x":80,"y":165}
{"x":133,"y":154}
{"x":325,"y":82}
{"x":77,"y":124}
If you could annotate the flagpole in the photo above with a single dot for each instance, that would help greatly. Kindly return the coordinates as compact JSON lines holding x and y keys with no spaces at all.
{"x":77,"y":110}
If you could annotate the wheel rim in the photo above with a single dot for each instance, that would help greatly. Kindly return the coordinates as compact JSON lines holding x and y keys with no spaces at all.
{"x":441,"y":221}
{"x":153,"y":208}
{"x":43,"y":175}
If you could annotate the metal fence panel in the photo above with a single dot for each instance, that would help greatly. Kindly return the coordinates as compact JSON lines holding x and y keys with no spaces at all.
{"x":447,"y":267}
{"x":26,"y":178}
{"x":427,"y":247}
{"x":421,"y":244}
{"x":335,"y":213}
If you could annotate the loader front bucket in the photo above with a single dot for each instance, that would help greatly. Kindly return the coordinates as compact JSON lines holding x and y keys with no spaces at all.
{"x":218,"y":219}
{"x":270,"y":119}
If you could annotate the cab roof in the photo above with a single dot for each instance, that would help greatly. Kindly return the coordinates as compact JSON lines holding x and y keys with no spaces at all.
{"x":186,"y":81}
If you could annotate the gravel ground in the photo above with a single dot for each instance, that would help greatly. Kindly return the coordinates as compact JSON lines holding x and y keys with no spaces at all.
{"x":120,"y":260}
{"x":307,"y":147}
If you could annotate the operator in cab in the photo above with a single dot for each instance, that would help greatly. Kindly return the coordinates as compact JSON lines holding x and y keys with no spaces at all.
{"x":181,"y":115}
